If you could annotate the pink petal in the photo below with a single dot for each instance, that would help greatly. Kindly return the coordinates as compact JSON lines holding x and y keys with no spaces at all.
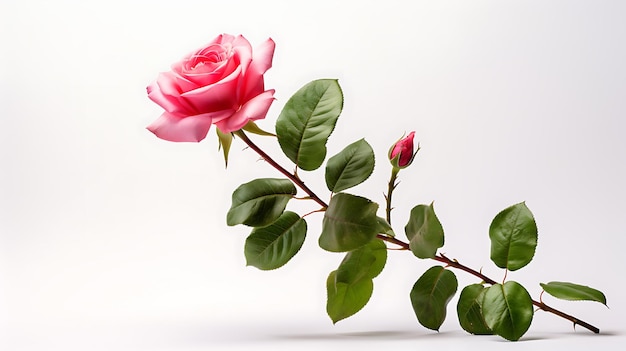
{"x":243,"y":50}
{"x":224,"y":38}
{"x":252,"y":110}
{"x":177,"y":128}
{"x":184,"y":83}
{"x":155,"y":94}
{"x":220,"y":96}
{"x":262,"y":61}
{"x":165,"y":93}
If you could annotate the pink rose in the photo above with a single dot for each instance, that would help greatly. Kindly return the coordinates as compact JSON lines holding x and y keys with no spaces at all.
{"x":401,"y":153}
{"x":220,"y":84}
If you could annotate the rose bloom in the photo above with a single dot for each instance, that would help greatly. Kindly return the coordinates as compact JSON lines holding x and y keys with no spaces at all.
{"x":219,"y":84}
{"x":403,"y":148}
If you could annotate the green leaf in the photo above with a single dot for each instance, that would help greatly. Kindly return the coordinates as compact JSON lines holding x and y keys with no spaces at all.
{"x":272,"y":246}
{"x":346,"y":299}
{"x":350,"y":167}
{"x":470,"y":312}
{"x":384,"y":227}
{"x":573,"y":292}
{"x":424,"y":231}
{"x":255,"y":129}
{"x":307,"y":120}
{"x":225,"y":140}
{"x":513,"y":234}
{"x":260,"y":202}
{"x":508,"y":310}
{"x":349,"y":287}
{"x":430,"y":296}
{"x":365,"y":262}
{"x":349,"y":222}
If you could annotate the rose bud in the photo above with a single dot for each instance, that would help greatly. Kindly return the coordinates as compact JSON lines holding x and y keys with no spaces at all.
{"x":401,"y":153}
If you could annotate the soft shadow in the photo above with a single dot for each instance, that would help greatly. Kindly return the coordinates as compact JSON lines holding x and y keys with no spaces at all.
{"x":378,"y":334}
{"x":609,"y":333}
{"x":564,"y":335}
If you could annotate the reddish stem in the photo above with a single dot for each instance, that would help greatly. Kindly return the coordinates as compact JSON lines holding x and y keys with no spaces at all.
{"x":456,"y":264}
{"x":280,"y":168}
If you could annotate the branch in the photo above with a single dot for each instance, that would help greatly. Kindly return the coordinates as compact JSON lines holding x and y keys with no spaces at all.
{"x":456,"y":264}
{"x":405,"y":246}
{"x":281,"y":169}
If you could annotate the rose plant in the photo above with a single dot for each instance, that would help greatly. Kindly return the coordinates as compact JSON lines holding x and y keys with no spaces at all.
{"x":222,"y":84}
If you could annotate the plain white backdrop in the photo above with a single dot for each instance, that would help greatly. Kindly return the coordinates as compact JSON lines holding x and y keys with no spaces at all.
{"x":113,"y":239}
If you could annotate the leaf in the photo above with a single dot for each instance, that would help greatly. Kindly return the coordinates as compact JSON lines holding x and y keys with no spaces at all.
{"x":508,"y":310}
{"x":350,"y":287}
{"x":424,"y":231}
{"x":384,"y":227}
{"x":307,"y":120}
{"x":513,"y":234}
{"x":272,"y":246}
{"x":470,"y":312}
{"x":349,"y":222}
{"x":346,"y":299}
{"x":573,"y":292}
{"x":350,"y":167}
{"x":365,"y":262}
{"x":225,"y":140}
{"x":260,"y":202}
{"x":255,"y":129}
{"x":430,"y":296}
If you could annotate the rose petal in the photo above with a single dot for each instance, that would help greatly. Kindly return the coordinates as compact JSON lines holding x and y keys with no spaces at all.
{"x":155,"y":94}
{"x":217,"y":40}
{"x":243,"y":49}
{"x":178,"y":128}
{"x":254,"y":82}
{"x":254,"y":109}
{"x":168,"y":103}
{"x":184,"y":83}
{"x":224,"y":38}
{"x":164,"y":91}
{"x":215,"y":97}
{"x":262,"y":59}
{"x":201,"y":78}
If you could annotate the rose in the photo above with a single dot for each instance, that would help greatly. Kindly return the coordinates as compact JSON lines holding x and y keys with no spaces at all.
{"x":401,"y":153}
{"x":221,"y":83}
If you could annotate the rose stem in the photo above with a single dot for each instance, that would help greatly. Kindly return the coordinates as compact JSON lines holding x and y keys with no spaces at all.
{"x":390,"y":187}
{"x":405,"y":246}
{"x":280,"y":168}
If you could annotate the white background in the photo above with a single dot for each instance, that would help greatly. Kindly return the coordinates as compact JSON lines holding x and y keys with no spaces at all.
{"x":113,"y":239}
